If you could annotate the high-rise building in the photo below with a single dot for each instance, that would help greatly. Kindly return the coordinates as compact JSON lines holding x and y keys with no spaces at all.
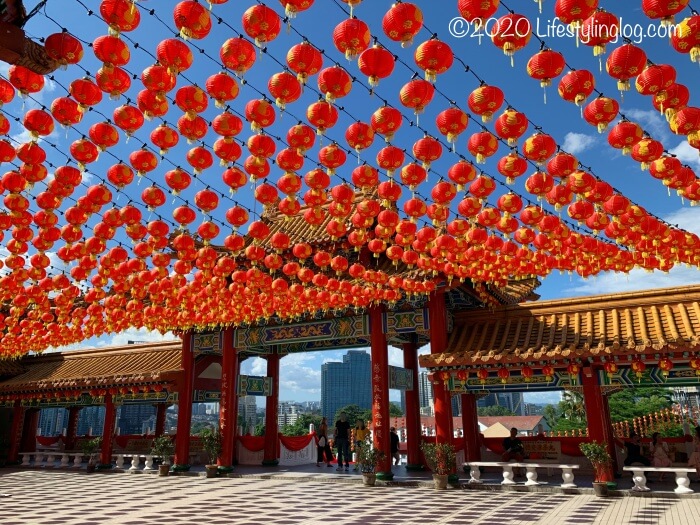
{"x":425,"y":394}
{"x":513,"y":401}
{"x":288,"y":412}
{"x":346,"y":383}
{"x":52,"y":421}
{"x":247,"y":414}
{"x":91,"y":419}
{"x":131,"y":418}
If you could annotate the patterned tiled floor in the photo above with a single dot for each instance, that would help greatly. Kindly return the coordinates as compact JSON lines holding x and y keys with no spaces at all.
{"x":37,"y":497}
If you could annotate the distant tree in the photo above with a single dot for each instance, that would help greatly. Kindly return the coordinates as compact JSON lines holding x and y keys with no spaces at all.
{"x":635,"y":402}
{"x":353,"y":412}
{"x":572,"y":408}
{"x":551,"y":415}
{"x":495,"y":410}
{"x":198,"y":426}
{"x":259,"y":429}
{"x":395,"y":410}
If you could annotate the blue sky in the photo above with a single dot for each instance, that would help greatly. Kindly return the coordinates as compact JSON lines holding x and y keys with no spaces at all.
{"x":301,"y":373}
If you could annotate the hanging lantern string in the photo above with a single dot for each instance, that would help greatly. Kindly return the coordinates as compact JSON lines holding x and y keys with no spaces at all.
{"x":152,"y":13}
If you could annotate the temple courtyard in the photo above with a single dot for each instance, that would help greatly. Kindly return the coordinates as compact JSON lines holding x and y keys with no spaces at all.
{"x":310,"y":495}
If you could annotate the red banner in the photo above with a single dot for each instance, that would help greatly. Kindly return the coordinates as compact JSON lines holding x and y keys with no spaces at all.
{"x":253,"y":443}
{"x":295,"y":443}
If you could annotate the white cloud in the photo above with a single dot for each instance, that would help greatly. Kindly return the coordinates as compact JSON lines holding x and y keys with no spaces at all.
{"x":651,"y":121}
{"x":542,"y":398}
{"x":687,"y":154}
{"x":139,"y":335}
{"x":576,"y":143}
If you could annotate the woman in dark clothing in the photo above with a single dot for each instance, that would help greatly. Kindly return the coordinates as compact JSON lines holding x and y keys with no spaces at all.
{"x":634,"y":451}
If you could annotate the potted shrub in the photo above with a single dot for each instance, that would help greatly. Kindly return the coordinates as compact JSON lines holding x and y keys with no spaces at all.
{"x":163,"y":447}
{"x":441,"y":459}
{"x":598,"y":455}
{"x":211,"y":443}
{"x":368,"y":459}
{"x":89,"y":447}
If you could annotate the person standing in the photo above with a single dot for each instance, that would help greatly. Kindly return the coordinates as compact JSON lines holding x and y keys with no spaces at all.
{"x":694,"y":461}
{"x":659,"y":453}
{"x":323,"y":446}
{"x":361,"y":433}
{"x":342,"y":441}
{"x":395,"y":446}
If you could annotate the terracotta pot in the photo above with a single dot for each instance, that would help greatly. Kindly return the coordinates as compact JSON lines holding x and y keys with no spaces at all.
{"x":369,"y":478}
{"x":440,"y":481}
{"x":212,"y":470}
{"x":163,"y":470}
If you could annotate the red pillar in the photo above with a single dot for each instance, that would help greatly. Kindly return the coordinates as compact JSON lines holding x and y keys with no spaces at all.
{"x":184,"y":410}
{"x":228,"y":404}
{"x":437,"y":313}
{"x":271,"y":454}
{"x":470,"y":426}
{"x":161,"y":410}
{"x":596,"y":408}
{"x":610,"y":434}
{"x":413,"y":427}
{"x":108,"y":433}
{"x":72,"y":427}
{"x":16,"y":432}
{"x":29,"y":428}
{"x":380,"y":390}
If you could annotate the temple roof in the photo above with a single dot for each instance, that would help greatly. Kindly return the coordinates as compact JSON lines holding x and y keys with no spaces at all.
{"x":616,"y":324}
{"x":143,"y":363}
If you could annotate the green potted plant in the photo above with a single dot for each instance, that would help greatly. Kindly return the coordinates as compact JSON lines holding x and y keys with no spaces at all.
{"x":163,"y":447}
{"x":211,"y":443}
{"x":441,"y":459}
{"x":597,"y":453}
{"x":368,"y":459}
{"x":89,"y":447}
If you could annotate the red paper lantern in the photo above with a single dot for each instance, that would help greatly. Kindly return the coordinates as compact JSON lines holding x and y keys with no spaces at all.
{"x":673,"y":99}
{"x":192,"y":19}
{"x":434,"y":57}
{"x":177,"y":180}
{"x":576,"y":86}
{"x":477,"y":11}
{"x":665,"y":365}
{"x":284,"y":88}
{"x":526,"y":372}
{"x":416,"y":95}
{"x":511,"y":125}
{"x":512,"y":166}
{"x":646,"y":151}
{"x":625,"y":135}
{"x":262,"y":24}
{"x":359,"y":136}
{"x":192,"y":129}
{"x":546,"y":65}
{"x":120,"y":15}
{"x":386,"y":121}
{"x":322,"y":115}
{"x":293,"y":7}
{"x":165,"y":138}
{"x":574,"y":12}
{"x":38,"y":122}
{"x":685,"y":38}
{"x":665,"y":10}
{"x":305,"y":60}
{"x":655,"y":79}
{"x":351,"y":37}
{"x":238,"y":55}
{"x":599,"y":29}
{"x":175,"y":55}
{"x":66,"y":111}
{"x":485,"y":101}
{"x":64,"y":48}
{"x":638,"y":367}
{"x":334,"y":82}
{"x":451,"y":123}
{"x":482,"y":145}
{"x":512,"y":33}
{"x":548,"y":372}
{"x":128,"y":118}
{"x":624,"y":63}
{"x":151,"y":105}
{"x":192,"y":100}
{"x":427,"y":150}
{"x":402,"y":22}
{"x":503,"y":374}
{"x":301,"y":137}
{"x":601,"y":112}
{"x":111,"y":51}
{"x":539,"y":147}
{"x":158,"y":80}
{"x":483,"y":375}
{"x":104,"y":135}
{"x":376,"y":63}
{"x":24,"y":80}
